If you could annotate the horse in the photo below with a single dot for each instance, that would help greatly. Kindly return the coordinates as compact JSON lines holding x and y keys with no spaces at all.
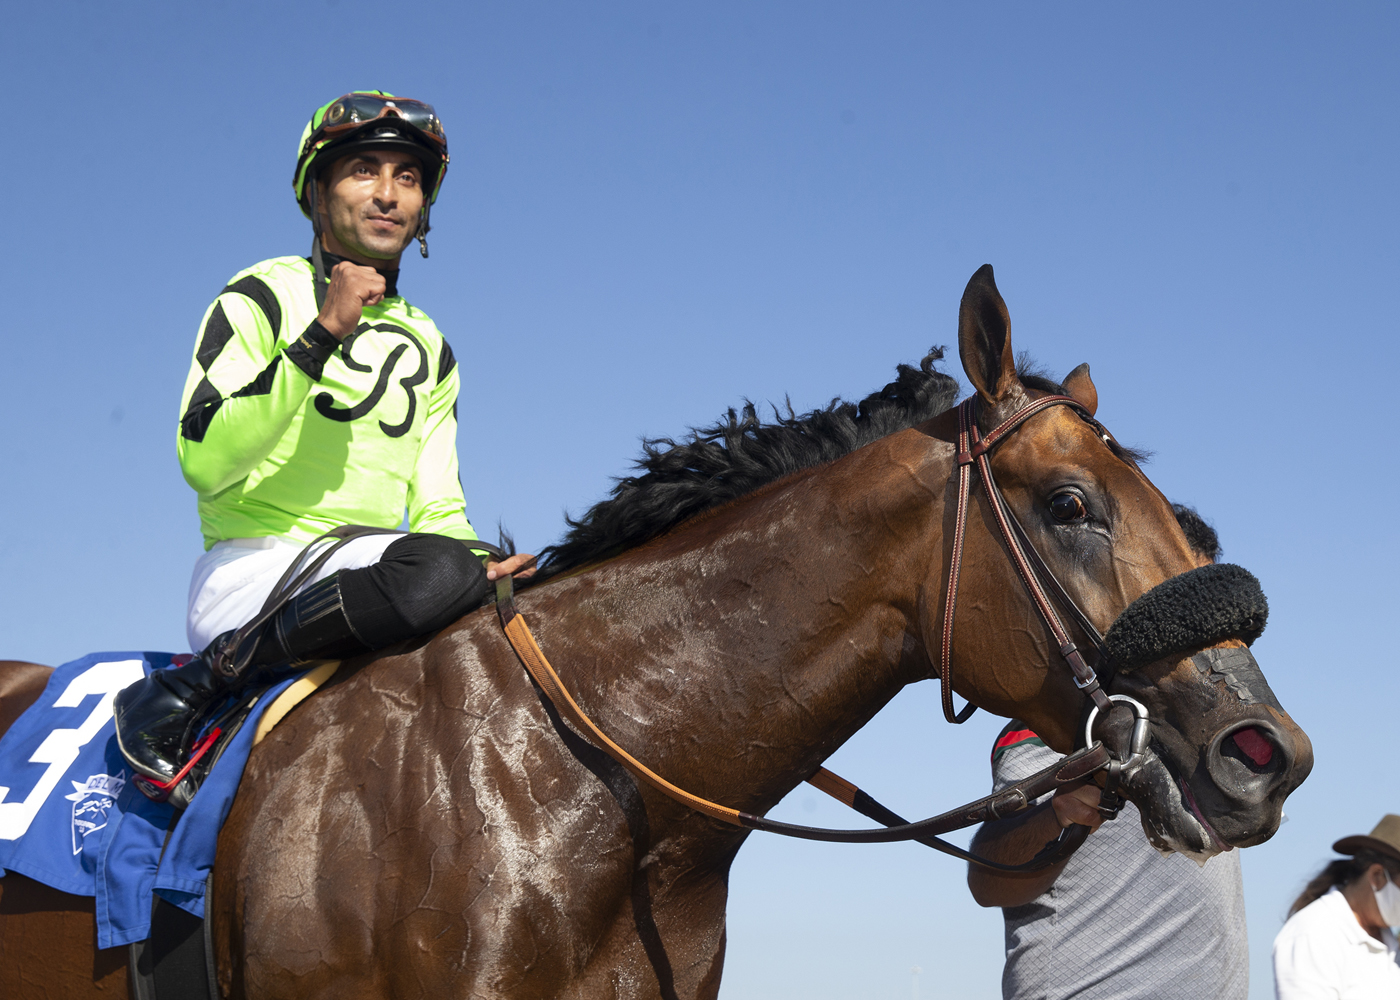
{"x":428,"y":824}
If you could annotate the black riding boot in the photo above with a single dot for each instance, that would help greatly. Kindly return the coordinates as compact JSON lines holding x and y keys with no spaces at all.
{"x":157,"y":716}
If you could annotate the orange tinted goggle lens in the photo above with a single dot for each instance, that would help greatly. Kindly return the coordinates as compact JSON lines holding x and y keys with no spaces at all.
{"x":355,"y":110}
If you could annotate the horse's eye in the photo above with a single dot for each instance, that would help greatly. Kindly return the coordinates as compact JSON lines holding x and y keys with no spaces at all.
{"x":1067,"y":507}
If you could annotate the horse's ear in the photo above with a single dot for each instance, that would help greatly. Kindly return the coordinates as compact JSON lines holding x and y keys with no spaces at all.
{"x":984,"y":338}
{"x":1079,"y":385}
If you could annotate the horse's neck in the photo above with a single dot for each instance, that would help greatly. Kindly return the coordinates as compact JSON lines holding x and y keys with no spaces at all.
{"x":738,"y":652}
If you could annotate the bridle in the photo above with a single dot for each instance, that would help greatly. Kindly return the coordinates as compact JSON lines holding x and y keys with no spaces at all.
{"x":973,"y":450}
{"x":1073,"y":771}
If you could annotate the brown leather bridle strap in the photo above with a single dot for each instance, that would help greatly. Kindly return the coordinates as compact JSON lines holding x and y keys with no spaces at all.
{"x":1066,"y":603}
{"x":950,"y":606}
{"x":1071,"y":772}
{"x":974,"y":450}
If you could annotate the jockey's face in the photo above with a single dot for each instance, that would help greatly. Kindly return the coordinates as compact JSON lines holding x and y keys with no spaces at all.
{"x":369,"y":205}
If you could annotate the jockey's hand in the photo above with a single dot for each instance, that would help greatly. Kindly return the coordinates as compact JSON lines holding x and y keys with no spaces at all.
{"x":521,"y":566}
{"x":352,"y":287}
{"x":1078,"y":806}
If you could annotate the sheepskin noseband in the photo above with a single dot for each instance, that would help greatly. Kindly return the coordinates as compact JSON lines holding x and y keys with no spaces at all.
{"x":1199,"y":608}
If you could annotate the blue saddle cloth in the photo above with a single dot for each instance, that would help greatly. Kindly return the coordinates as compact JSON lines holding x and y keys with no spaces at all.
{"x":71,"y":818}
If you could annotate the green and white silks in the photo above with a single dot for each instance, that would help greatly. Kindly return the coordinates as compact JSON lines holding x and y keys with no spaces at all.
{"x":287,"y":433}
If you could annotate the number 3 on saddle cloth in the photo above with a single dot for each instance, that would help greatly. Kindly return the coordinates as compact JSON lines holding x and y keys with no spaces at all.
{"x":71,"y":817}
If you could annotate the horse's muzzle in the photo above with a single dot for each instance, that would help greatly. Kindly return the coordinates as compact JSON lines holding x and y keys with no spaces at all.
{"x":1237,"y":758}
{"x":1236,"y":755}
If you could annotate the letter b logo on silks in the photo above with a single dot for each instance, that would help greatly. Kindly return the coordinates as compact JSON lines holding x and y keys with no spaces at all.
{"x":60,"y":749}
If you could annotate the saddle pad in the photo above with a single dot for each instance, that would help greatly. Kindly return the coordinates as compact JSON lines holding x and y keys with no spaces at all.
{"x":104,"y":838}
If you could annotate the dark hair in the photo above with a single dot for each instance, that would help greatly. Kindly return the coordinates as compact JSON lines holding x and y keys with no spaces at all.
{"x":1342,"y":872}
{"x":1200,"y":535}
{"x":675,"y":480}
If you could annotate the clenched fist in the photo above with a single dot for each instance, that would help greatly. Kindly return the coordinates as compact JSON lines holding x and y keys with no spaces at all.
{"x":352,"y":287}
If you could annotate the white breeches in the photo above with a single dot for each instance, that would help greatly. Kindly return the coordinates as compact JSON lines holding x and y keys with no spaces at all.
{"x":232,"y":580}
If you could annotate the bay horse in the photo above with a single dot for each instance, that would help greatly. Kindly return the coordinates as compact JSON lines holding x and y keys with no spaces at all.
{"x":427,"y":825}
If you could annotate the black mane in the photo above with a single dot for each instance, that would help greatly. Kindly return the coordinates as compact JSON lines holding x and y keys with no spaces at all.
{"x":677,"y":480}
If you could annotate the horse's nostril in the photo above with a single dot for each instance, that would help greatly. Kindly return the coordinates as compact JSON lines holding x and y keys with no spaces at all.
{"x":1254,"y":746}
{"x":1252,"y":764}
{"x":1249,"y":763}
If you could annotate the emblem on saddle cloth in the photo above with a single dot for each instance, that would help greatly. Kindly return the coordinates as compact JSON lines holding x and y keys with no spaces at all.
{"x":92,"y":800}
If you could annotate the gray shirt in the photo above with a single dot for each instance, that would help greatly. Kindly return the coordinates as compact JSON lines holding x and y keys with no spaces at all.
{"x":1122,"y":922}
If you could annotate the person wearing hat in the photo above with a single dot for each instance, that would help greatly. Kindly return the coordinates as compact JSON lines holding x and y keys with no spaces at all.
{"x":319,"y":397}
{"x":1338,"y":943}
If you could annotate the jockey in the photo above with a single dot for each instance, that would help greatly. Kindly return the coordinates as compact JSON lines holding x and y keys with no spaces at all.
{"x":318,"y":397}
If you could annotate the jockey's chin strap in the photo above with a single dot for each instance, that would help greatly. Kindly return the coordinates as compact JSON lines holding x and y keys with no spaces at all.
{"x":1071,"y":772}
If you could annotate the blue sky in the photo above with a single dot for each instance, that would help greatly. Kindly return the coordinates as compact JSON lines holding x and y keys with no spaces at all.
{"x":657,"y":210}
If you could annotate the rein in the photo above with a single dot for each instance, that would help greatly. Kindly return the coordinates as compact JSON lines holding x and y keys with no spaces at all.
{"x":1071,"y":772}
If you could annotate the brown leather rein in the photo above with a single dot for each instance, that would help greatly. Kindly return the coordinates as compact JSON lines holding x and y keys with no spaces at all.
{"x":1071,"y":772}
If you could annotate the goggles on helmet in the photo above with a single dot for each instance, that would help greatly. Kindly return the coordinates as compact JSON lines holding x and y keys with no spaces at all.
{"x":352,"y":111}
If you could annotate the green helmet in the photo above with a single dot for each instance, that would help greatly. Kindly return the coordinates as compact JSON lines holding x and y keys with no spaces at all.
{"x":371,"y":119}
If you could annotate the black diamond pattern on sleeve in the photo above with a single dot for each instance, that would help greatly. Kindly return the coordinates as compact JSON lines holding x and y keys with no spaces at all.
{"x":218,"y":331}
{"x":256,"y":289}
{"x":446,"y":362}
{"x":204,"y":403}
